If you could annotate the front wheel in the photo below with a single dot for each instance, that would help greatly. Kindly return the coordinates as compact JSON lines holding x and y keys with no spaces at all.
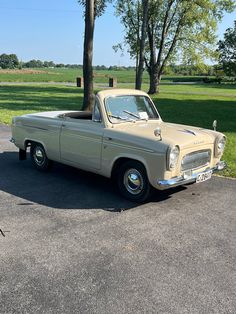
{"x":39,"y":157}
{"x":133,"y":182}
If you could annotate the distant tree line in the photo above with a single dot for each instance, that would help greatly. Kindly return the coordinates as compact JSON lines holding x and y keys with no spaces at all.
{"x":11,"y":61}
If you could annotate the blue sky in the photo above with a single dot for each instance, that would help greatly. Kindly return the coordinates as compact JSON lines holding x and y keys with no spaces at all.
{"x":53,"y":30}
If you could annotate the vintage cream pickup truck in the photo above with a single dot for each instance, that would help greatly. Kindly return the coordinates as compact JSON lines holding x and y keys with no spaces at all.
{"x":123,"y":138}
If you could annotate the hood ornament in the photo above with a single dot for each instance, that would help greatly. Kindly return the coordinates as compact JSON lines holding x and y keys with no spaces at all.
{"x":214,"y":124}
{"x":157,"y":132}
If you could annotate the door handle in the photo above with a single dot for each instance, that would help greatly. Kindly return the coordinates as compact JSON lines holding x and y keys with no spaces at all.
{"x":108,"y":138}
{"x":63,"y":125}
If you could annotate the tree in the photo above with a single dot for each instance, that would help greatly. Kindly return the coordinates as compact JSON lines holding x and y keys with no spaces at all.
{"x":182,"y":30}
{"x":8,"y":61}
{"x":93,"y":9}
{"x":48,"y":64}
{"x":33,"y":64}
{"x":140,"y":68}
{"x":227,"y":51}
{"x":88,"y":55}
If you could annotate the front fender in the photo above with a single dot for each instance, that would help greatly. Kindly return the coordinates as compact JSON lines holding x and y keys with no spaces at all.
{"x":154,"y":163}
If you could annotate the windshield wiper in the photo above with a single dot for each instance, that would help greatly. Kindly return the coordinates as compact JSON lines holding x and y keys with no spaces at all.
{"x":120,"y":118}
{"x":135,"y":115}
{"x":132,"y":114}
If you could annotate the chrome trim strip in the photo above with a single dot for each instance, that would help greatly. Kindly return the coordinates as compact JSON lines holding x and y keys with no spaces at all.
{"x":165,"y":184}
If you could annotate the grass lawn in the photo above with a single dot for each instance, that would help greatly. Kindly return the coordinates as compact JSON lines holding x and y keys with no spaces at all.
{"x":195,"y":105}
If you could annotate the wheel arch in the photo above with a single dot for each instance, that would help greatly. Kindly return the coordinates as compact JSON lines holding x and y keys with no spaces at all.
{"x":28,"y":142}
{"x":121,"y":159}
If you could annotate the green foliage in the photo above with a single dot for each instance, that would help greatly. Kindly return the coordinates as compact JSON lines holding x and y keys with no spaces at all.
{"x":46,"y":64}
{"x":227,"y":51}
{"x":178,"y":30}
{"x":33,"y":64}
{"x":99,"y":6}
{"x":190,"y":70}
{"x":197,"y":37}
{"x":8,"y":61}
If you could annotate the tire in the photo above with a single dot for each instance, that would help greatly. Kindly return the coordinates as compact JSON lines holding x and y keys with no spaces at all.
{"x":39,"y":158}
{"x":133,"y":182}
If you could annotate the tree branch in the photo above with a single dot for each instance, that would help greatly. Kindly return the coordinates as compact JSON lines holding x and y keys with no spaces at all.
{"x":150,"y":32}
{"x":172,"y":17}
{"x":173,"y":43}
{"x":146,"y":63}
{"x":164,"y":32}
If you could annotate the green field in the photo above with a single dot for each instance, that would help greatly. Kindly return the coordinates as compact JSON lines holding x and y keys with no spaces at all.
{"x":196,"y":105}
{"x":69,"y":75}
{"x":65,"y":75}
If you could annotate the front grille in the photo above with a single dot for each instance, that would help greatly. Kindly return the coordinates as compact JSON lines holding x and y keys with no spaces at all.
{"x":196,"y":160}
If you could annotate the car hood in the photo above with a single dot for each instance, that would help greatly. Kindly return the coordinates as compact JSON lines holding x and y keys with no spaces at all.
{"x":172,"y":134}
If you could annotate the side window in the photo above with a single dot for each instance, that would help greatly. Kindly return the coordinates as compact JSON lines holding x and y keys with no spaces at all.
{"x":96,"y":113}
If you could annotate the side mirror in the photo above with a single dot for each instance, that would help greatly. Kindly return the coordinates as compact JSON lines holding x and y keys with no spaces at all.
{"x":214,"y":125}
{"x":157,"y":132}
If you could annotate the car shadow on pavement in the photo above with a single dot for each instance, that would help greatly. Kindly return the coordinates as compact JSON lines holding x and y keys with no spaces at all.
{"x":63,"y":187}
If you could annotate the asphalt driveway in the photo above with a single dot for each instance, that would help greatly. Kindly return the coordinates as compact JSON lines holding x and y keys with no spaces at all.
{"x":71,"y":244}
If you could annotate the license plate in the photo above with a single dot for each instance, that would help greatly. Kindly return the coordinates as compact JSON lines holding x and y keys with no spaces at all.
{"x":203,"y":176}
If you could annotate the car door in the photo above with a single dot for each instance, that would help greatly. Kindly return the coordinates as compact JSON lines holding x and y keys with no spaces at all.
{"x":81,"y":142}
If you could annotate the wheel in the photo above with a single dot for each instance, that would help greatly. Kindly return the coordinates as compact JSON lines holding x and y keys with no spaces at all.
{"x":133,"y":181}
{"x":39,"y":157}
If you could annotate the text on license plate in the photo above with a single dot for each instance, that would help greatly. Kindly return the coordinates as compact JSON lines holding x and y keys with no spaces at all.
{"x":203,"y":176}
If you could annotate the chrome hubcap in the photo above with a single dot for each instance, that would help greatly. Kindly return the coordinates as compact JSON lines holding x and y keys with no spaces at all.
{"x":39,"y":156}
{"x":133,"y":181}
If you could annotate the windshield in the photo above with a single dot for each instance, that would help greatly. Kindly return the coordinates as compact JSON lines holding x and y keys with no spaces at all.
{"x":129,"y":108}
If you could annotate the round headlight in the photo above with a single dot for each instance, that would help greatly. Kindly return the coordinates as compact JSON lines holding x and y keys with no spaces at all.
{"x":173,"y":157}
{"x":220,"y":146}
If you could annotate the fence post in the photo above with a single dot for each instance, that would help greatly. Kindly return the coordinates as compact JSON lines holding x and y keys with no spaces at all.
{"x":80,"y":81}
{"x":112,"y":81}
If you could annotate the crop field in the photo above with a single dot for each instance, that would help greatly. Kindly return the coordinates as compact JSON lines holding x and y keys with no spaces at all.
{"x":195,"y":105}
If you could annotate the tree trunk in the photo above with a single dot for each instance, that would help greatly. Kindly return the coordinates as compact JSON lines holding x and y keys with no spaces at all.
{"x":154,"y":81}
{"x":139,"y":72}
{"x":88,"y":56}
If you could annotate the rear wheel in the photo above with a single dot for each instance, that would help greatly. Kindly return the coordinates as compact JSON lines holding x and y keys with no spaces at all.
{"x":39,"y":157}
{"x":133,"y":181}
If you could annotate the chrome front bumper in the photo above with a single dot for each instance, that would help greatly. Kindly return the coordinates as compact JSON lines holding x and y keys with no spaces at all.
{"x":185,"y":179}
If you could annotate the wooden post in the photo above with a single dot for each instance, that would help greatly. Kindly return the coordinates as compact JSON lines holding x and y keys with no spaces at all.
{"x":112,"y":82}
{"x":80,"y":81}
